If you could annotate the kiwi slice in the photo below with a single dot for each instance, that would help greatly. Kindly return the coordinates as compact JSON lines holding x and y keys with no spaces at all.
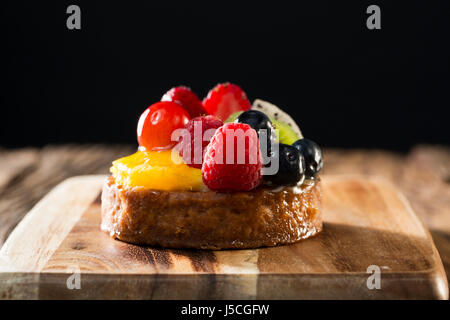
{"x":286,"y":134}
{"x":275,"y":113}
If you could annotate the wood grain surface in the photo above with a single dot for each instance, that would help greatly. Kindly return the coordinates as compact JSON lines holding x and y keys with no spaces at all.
{"x":367,"y":222}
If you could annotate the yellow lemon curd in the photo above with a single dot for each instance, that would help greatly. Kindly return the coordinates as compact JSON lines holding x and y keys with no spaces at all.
{"x":159,"y":170}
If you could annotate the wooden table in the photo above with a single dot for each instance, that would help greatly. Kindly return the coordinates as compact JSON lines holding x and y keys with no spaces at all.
{"x":423,"y":175}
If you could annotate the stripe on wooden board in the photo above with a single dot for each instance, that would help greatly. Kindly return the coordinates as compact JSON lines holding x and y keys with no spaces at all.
{"x":38,"y":235}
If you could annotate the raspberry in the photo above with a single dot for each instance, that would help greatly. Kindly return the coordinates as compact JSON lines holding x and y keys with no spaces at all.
{"x":240,"y":171}
{"x":192,"y":147}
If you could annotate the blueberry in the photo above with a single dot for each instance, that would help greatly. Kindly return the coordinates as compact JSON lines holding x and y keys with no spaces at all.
{"x":255,"y":119}
{"x":291,"y":166}
{"x":312,"y":154}
{"x":259,"y":121}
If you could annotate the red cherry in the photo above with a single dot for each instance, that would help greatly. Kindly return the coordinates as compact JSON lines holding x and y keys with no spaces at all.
{"x":157,"y":123}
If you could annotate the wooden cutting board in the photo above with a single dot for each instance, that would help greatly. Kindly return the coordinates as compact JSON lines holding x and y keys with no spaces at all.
{"x":58,"y":251}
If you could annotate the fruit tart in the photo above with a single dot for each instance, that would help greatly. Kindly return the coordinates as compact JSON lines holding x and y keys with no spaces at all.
{"x":215,"y":174}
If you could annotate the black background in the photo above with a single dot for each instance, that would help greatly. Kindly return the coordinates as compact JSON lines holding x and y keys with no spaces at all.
{"x":346,"y":86}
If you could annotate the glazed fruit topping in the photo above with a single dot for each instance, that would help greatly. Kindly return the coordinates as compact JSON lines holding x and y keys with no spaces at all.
{"x":187,"y":99}
{"x":158,"y":122}
{"x":233,"y":159}
{"x":225,"y":99}
{"x":156,"y":170}
{"x":235,"y":167}
{"x":194,"y":141}
{"x":312,"y":154}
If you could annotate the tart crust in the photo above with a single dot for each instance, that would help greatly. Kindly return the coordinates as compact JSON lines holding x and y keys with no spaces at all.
{"x":211,"y":220}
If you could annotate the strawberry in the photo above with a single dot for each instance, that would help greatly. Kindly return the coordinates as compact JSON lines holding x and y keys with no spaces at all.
{"x":238,"y":171}
{"x":187,"y":99}
{"x":225,"y":99}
